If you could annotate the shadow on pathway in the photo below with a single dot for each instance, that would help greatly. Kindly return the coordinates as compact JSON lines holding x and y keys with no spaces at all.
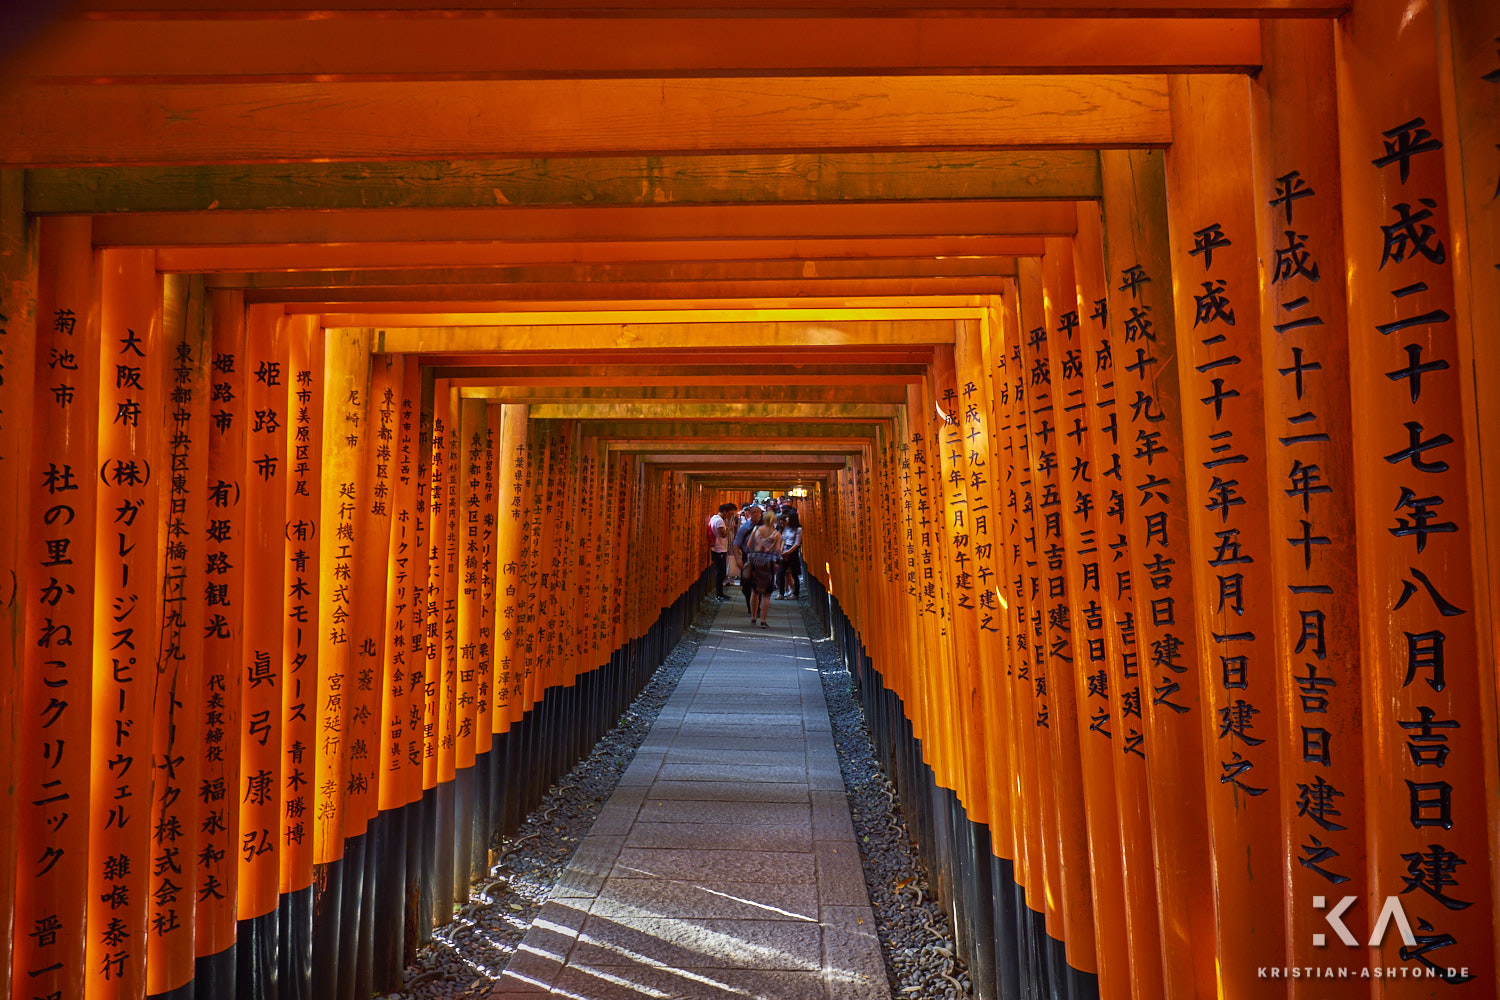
{"x":724,"y":866}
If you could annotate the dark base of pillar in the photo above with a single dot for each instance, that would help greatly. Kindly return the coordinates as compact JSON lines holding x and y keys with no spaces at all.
{"x":1002,"y":940}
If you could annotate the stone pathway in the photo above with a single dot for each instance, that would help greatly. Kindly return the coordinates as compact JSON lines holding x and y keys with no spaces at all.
{"x":724,"y":867}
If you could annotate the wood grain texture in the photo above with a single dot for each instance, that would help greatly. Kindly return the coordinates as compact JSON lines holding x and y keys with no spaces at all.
{"x":811,"y":272}
{"x":668,"y":222}
{"x":283,"y":122}
{"x":704,"y":291}
{"x":886,"y":8}
{"x":265,"y":257}
{"x":206,"y":48}
{"x":593,"y":180}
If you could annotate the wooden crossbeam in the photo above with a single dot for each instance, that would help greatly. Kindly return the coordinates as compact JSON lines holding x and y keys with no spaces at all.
{"x":600,"y":274}
{"x":727,"y":410}
{"x":345,"y":298}
{"x":668,"y":222}
{"x":379,"y":254}
{"x":467,"y":339}
{"x":279,"y":122}
{"x":891,"y":175}
{"x":810,"y":8}
{"x":729,"y":390}
{"x":206,"y":48}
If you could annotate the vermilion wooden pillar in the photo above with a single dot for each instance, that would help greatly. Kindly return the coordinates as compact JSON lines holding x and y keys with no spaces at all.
{"x":510,"y":590}
{"x":1305,"y":337}
{"x":1469,"y":86}
{"x":52,"y":881}
{"x":1429,"y":806}
{"x":1087,"y":752}
{"x":184,"y":363}
{"x":125,"y":605}
{"x":1117,"y":611}
{"x":223,"y":647}
{"x":400,"y":736}
{"x":1144,"y":345}
{"x":302,"y":589}
{"x":258,"y":841}
{"x":1212,"y":216}
{"x":18,"y":263}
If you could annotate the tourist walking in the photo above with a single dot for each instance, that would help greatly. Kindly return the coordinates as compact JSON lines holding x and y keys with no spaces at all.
{"x":791,"y":553}
{"x":749,"y":520}
{"x":764,"y":550}
{"x":718,"y":547}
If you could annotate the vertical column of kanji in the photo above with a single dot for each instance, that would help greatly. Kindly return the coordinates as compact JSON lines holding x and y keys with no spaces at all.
{"x":1019,"y":557}
{"x":177,"y":691}
{"x":345,"y":370}
{"x":1312,"y":592}
{"x":979,"y":465}
{"x":973,"y":354}
{"x":223,"y":632}
{"x":126,"y":591}
{"x":473,"y":425}
{"x":381,"y":380}
{"x":509,"y":560}
{"x":489,"y":526}
{"x":18,"y":263}
{"x":422,"y":656}
{"x":909,"y":559}
{"x":572,"y":517}
{"x":586,"y":574}
{"x":958,"y":549}
{"x":1428,"y":807}
{"x":446,"y":574}
{"x":1083,"y":690}
{"x":1114,"y":609}
{"x":265,"y":481}
{"x":1469,"y":50}
{"x":1212,"y":216}
{"x":956,"y":651}
{"x":929,"y":647}
{"x":55,"y":586}
{"x":604,"y":583}
{"x":1144,"y":343}
{"x":1050,"y":635}
{"x":1008,"y":829}
{"x":437,"y":543}
{"x":526,"y":640}
{"x":304,"y":385}
{"x":397,"y":679}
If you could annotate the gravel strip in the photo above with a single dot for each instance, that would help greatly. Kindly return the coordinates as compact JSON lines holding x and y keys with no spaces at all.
{"x":915,"y":934}
{"x":467,"y":956}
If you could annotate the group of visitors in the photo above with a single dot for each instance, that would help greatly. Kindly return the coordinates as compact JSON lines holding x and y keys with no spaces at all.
{"x":759,"y":546}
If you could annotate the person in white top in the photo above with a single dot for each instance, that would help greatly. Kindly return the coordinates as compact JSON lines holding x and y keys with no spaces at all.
{"x":791,"y":553}
{"x":718,"y":545}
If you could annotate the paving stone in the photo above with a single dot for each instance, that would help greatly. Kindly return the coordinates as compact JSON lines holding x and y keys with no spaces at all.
{"x":755,"y":758}
{"x":734,"y":866}
{"x":692,"y":944}
{"x":704,"y":899}
{"x":852,"y":963}
{"x":840,"y":876}
{"x":632,"y":982}
{"x":731,"y":772}
{"x":729,"y":791}
{"x":830,"y":816}
{"x":721,"y":836}
{"x":749,"y":744}
{"x":740,"y":813}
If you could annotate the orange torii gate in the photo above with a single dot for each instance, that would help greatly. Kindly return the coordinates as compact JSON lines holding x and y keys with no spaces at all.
{"x":1147,"y":469}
